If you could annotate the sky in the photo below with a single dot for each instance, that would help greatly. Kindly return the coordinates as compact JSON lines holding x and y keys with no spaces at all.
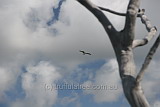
{"x":40,"y":62}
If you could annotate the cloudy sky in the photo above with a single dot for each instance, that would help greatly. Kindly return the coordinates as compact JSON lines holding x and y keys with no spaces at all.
{"x":39,"y":51}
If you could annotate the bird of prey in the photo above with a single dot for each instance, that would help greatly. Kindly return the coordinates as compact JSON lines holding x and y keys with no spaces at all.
{"x":85,"y":53}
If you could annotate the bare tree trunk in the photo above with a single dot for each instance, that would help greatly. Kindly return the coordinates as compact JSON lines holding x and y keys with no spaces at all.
{"x":132,"y":91}
{"x":123,"y":44}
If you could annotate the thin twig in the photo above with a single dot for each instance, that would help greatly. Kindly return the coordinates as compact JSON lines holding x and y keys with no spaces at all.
{"x":117,"y":13}
{"x":111,"y":11}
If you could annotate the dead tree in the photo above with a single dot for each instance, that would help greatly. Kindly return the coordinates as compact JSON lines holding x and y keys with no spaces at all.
{"x":124,"y":43}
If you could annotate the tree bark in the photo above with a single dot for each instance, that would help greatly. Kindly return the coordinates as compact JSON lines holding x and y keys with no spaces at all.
{"x":123,"y":44}
{"x":132,"y":91}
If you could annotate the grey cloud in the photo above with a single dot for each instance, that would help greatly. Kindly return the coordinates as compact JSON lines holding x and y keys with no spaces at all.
{"x":24,"y":40}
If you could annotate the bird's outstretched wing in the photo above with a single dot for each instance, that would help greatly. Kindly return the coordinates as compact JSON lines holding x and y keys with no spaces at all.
{"x":88,"y":53}
{"x":84,"y":53}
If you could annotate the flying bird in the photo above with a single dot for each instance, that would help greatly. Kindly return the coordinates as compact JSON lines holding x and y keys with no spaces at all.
{"x":85,"y":53}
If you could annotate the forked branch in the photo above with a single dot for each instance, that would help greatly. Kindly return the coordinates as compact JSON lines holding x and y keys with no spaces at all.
{"x":151,"y":31}
{"x":148,"y":60}
{"x":109,"y":28}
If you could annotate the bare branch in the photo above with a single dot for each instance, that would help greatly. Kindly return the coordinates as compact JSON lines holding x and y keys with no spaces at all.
{"x":120,"y":14}
{"x":109,"y":28}
{"x":148,"y":60}
{"x":111,"y":11}
{"x":151,"y":29}
{"x":139,"y":42}
{"x":144,"y":41}
{"x":129,"y":28}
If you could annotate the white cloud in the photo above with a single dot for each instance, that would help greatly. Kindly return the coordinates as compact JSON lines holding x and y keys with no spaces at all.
{"x":70,"y":99}
{"x":108,"y":75}
{"x":6,"y":81}
{"x":33,"y":84}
